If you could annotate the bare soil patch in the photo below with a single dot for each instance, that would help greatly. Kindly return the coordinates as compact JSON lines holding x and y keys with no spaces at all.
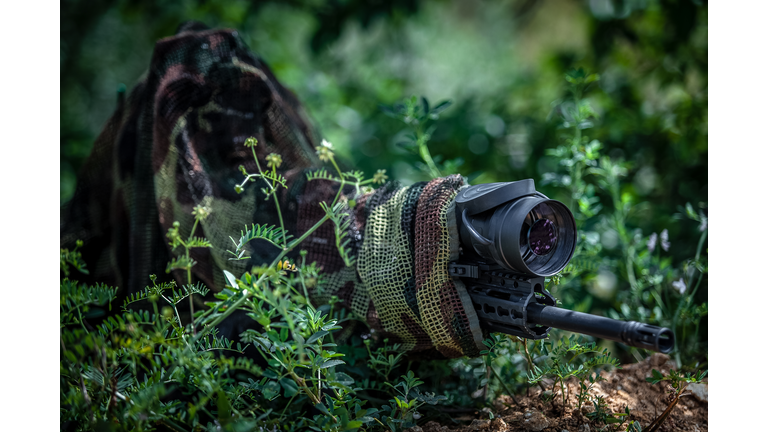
{"x":624,"y":387}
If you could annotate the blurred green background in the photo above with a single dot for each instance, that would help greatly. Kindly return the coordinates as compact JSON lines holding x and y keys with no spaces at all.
{"x":502,"y":63}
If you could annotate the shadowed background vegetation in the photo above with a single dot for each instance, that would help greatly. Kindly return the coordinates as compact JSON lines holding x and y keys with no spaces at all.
{"x":502,"y":63}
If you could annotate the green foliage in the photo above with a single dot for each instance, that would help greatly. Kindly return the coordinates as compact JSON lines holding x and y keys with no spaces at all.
{"x":562,"y":366}
{"x":676,"y":379}
{"x":615,"y":265}
{"x":341,"y":224}
{"x":142,"y":370}
{"x":384,"y":359}
{"x":401,"y":413}
{"x":126,"y":367}
{"x":78,"y":301}
{"x":417,"y":115}
{"x":601,"y":414}
{"x":72,"y":258}
{"x":271,"y":234}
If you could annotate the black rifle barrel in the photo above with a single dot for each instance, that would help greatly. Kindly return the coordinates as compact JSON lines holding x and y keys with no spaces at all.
{"x":630,"y":333}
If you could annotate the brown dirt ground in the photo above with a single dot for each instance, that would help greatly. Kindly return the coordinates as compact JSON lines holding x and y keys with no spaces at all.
{"x":625,"y":386}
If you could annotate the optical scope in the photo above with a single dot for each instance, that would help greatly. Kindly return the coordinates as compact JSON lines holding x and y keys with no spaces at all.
{"x":511,"y":238}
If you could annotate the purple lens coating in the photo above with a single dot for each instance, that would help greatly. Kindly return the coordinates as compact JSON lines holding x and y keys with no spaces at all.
{"x":542,"y":237}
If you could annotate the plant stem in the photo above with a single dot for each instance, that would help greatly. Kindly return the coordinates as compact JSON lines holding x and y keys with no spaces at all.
{"x":300,"y":381}
{"x":286,"y":408}
{"x":189,"y":280}
{"x":530,"y":362}
{"x":303,"y":237}
{"x":562,"y":390}
{"x":341,"y":177}
{"x":177,"y":317}
{"x":277,"y":206}
{"x":686,"y":300}
{"x":509,"y":392}
{"x":701,"y":244}
{"x":660,"y":419}
{"x":425,"y":155}
{"x":258,"y":165}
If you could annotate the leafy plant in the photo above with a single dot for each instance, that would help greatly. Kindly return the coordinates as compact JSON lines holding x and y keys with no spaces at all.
{"x":402,"y":411}
{"x":142,"y":369}
{"x":494,"y":342}
{"x":185,"y":262}
{"x":586,"y":382}
{"x":562,"y":355}
{"x":675,"y":390}
{"x":601,"y":414}
{"x":642,"y":283}
{"x":384,"y":359}
{"x":417,"y":114}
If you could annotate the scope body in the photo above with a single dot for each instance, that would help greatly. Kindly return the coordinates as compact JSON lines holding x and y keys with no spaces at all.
{"x":511,"y":238}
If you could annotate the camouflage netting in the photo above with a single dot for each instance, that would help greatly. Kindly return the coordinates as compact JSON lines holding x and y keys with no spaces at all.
{"x":177,"y":141}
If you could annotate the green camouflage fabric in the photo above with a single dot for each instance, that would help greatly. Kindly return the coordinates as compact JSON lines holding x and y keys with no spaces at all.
{"x":177,"y":141}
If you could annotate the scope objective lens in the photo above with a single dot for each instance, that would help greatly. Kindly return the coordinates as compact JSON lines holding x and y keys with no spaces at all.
{"x":542,"y":237}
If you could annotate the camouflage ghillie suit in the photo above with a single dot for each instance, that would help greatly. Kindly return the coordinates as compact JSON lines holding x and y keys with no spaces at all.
{"x":177,"y":141}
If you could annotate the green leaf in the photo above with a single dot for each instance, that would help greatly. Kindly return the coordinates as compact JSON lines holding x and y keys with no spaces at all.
{"x":320,"y":407}
{"x":269,"y":373}
{"x":199,"y":242}
{"x":442,"y":106}
{"x":354,"y":424}
{"x":656,"y":377}
{"x":321,"y":174}
{"x":225,"y":409}
{"x":387,"y":110}
{"x":271,"y":390}
{"x":231,"y":279}
{"x":180,"y":263}
{"x":690,"y":212}
{"x":316,"y":336}
{"x":331,"y":363}
{"x":271,"y":234}
{"x":290,"y":387}
{"x":343,"y":379}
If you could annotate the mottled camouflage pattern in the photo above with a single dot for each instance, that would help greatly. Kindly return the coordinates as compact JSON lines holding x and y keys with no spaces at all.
{"x":177,"y":141}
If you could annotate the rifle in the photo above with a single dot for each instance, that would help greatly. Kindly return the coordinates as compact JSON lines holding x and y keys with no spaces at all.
{"x":511,"y":238}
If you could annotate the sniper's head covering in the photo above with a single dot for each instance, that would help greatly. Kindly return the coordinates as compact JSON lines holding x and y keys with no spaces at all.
{"x":175,"y":143}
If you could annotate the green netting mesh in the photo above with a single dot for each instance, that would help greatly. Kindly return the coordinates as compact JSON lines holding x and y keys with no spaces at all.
{"x":177,"y":142}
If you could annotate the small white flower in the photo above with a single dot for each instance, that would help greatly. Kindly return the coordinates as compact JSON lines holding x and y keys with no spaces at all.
{"x":679,"y":285}
{"x":326,"y":144}
{"x":652,"y":242}
{"x":665,"y":240}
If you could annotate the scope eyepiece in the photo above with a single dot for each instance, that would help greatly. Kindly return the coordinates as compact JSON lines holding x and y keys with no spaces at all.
{"x":516,"y":227}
